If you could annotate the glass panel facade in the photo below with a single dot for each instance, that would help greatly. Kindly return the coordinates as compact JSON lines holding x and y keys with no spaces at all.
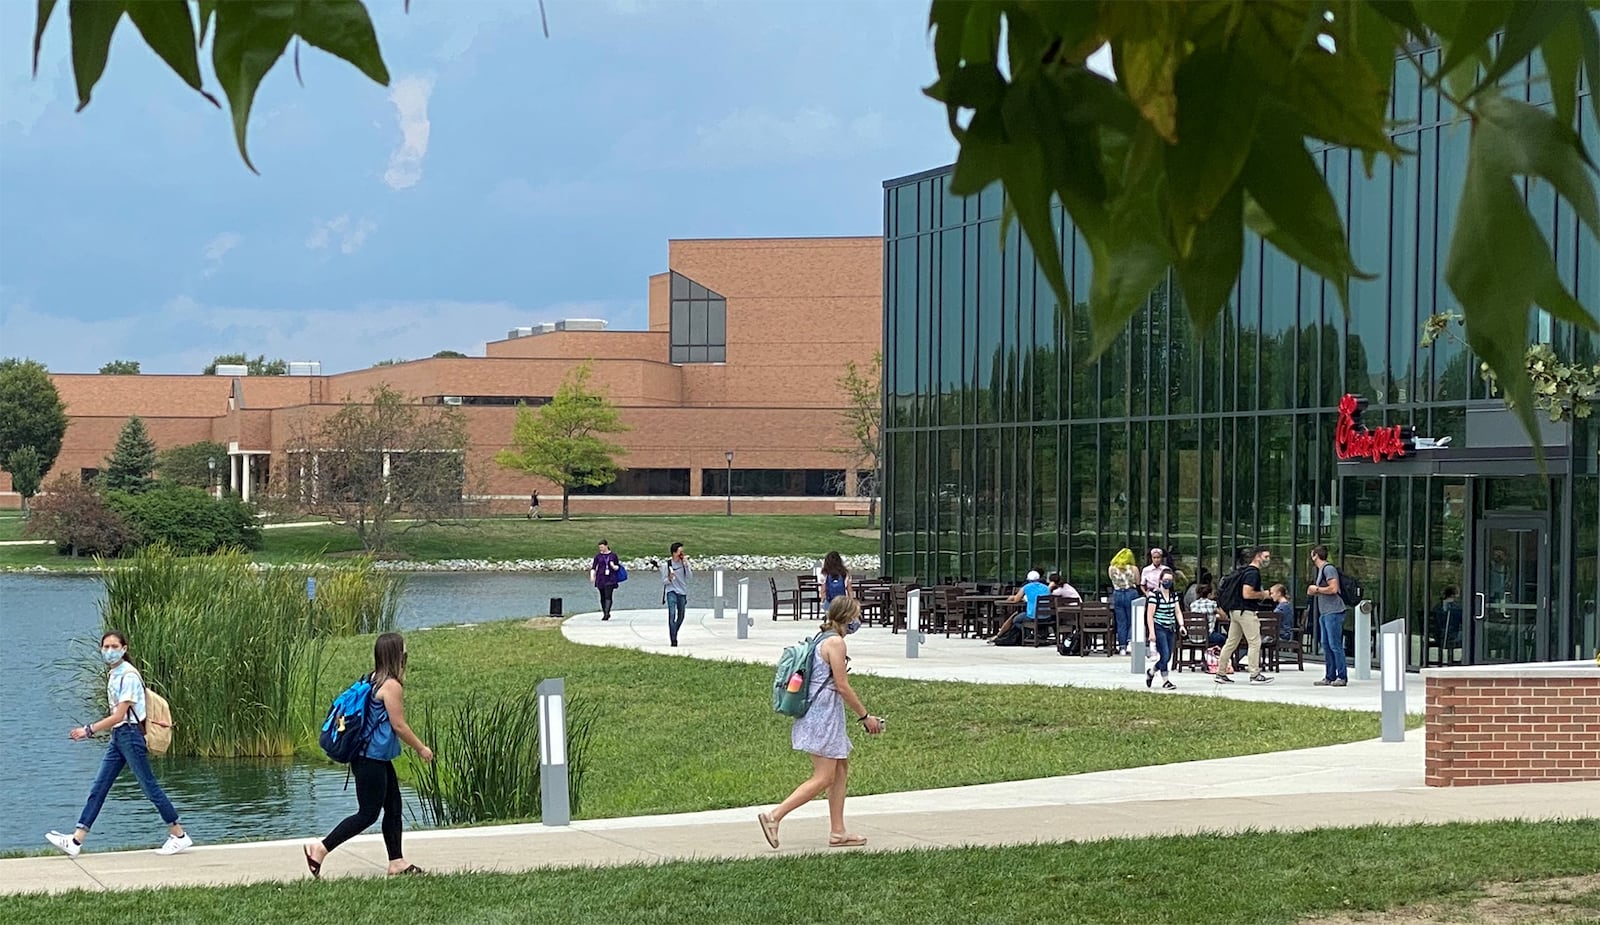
{"x":1011,"y":446}
{"x":699,"y":322}
{"x":812,"y":483}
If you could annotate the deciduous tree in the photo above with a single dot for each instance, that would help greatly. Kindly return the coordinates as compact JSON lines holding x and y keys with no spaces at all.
{"x":26,"y":474}
{"x":191,"y":464}
{"x":120,"y":368}
{"x":862,"y":420}
{"x":31,"y":412}
{"x":563,"y":440}
{"x":75,"y":517}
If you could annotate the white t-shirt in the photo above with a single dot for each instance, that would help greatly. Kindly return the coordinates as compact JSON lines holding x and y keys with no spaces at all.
{"x":126,"y":685}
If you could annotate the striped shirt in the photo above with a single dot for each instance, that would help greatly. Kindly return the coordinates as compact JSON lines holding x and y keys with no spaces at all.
{"x":1166,"y":614}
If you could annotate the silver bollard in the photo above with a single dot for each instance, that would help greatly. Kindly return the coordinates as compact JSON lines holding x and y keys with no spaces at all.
{"x":1365,"y":611}
{"x":1138,"y":642}
{"x":554,"y":805}
{"x":1392,"y":648}
{"x":743,"y":616}
{"x":716,"y":594}
{"x":311,"y":587}
{"x":914,"y":635}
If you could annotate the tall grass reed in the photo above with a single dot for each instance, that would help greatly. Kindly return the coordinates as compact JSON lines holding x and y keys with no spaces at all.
{"x":486,"y":760}
{"x":236,"y":650}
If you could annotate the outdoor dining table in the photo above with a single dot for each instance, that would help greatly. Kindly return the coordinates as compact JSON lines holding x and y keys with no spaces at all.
{"x":983,"y":611}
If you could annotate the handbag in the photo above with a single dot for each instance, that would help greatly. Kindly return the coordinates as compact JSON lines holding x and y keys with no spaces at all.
{"x":622,"y":573}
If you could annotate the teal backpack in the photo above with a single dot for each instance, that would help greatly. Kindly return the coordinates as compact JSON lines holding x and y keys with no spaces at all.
{"x":791,"y":683}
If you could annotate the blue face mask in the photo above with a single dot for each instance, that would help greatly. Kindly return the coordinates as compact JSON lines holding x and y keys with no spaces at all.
{"x":852,"y":626}
{"x":112,"y":656}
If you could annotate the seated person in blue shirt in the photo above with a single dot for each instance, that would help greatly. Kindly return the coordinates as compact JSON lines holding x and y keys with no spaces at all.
{"x":1284,"y":608}
{"x":1030,"y":592}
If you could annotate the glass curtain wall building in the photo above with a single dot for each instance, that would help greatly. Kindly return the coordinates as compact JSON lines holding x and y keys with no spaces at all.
{"x":1008,"y":447}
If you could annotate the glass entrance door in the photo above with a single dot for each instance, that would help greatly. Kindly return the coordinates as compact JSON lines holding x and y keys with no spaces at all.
{"x":1509,"y":603}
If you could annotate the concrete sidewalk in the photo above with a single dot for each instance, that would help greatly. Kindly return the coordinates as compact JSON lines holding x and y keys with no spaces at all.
{"x":876,"y":651}
{"x":1361,"y":783}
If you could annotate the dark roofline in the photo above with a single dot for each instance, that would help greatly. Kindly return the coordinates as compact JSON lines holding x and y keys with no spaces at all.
{"x":922,"y":175}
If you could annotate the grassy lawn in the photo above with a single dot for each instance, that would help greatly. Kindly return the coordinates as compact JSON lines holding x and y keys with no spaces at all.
{"x":518,"y":538}
{"x":11,"y":525}
{"x":1256,"y":878}
{"x":681,"y":734}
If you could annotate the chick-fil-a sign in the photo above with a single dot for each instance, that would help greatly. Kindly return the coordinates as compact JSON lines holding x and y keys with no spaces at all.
{"x":1353,"y":441}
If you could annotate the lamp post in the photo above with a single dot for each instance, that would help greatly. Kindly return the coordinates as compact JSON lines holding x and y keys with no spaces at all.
{"x":211,"y":466}
{"x":729,"y":456}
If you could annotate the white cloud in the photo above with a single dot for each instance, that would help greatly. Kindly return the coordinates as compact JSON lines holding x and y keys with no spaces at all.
{"x":758,"y":136}
{"x":218,"y":248}
{"x":342,"y":233}
{"x":185,"y":334}
{"x":410,"y":98}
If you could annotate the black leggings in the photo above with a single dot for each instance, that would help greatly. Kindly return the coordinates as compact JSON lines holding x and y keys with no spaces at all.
{"x":377,"y":788}
{"x":605,"y":599}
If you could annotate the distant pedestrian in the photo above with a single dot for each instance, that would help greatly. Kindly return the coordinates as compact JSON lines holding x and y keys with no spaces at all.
{"x":377,"y":786}
{"x":675,"y":582}
{"x":1330,"y":608}
{"x":1244,"y":618}
{"x":1124,"y":575}
{"x":126,"y":695}
{"x":533,"y":506}
{"x":835,"y":578}
{"x":1164,"y":614}
{"x":603,"y":574}
{"x":823,"y":733}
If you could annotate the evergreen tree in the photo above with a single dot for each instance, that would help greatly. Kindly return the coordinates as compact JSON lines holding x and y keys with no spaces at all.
{"x":132,"y":459}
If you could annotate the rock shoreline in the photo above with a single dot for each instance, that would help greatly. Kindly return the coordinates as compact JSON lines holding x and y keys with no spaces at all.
{"x":861,"y":565}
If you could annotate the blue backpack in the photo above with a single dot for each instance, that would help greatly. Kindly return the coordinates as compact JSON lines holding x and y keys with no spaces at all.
{"x":344,"y":732}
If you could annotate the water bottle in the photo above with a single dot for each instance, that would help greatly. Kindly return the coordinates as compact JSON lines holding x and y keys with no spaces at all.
{"x":795,"y":680}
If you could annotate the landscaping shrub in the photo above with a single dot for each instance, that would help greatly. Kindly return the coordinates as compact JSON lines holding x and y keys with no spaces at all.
{"x":77,"y":519}
{"x":188,"y":520}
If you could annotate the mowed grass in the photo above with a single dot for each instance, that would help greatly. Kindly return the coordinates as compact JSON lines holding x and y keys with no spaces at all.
{"x":503,"y":538}
{"x":11,"y":525}
{"x":1252,"y":878}
{"x":681,"y":734}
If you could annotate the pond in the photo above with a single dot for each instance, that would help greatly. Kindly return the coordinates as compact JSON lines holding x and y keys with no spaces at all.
{"x":41,"y":616}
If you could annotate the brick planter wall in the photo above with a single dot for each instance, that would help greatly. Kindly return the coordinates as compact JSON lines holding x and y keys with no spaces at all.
{"x":1512,"y":724}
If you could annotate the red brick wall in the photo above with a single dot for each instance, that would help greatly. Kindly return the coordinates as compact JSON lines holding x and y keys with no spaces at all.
{"x":1520,"y":724}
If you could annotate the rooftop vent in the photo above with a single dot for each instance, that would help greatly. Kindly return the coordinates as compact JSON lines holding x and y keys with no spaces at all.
{"x":232,"y":369}
{"x":581,"y":324}
{"x":305,"y":367}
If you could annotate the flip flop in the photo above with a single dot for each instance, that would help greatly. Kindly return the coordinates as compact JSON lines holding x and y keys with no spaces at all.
{"x":846,"y":841}
{"x":408,"y":869}
{"x":769,"y":828}
{"x":312,"y":865}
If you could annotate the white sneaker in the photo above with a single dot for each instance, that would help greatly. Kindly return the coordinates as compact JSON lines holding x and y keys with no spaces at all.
{"x":175,"y":844}
{"x":68,"y":847}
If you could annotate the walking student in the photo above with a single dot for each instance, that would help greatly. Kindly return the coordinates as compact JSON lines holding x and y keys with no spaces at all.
{"x":125,"y":722}
{"x":1244,"y":619}
{"x":823,"y":732}
{"x":377,"y":787}
{"x":603,"y":575}
{"x":1124,"y":575}
{"x":1164,"y":613}
{"x":675,"y":580}
{"x":1330,"y":619}
{"x":835,"y":578}
{"x":533,"y":506}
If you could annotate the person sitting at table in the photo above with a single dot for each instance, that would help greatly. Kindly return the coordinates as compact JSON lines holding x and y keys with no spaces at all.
{"x":1028,"y":594}
{"x":1060,"y":588}
{"x":1205,"y":604}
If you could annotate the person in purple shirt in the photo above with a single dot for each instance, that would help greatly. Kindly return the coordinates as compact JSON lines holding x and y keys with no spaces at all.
{"x":603,"y":575}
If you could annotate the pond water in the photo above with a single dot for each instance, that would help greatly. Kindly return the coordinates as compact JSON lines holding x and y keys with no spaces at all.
{"x":48,"y":775}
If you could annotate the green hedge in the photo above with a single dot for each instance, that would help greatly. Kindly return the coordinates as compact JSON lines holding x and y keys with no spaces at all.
{"x":188,"y":520}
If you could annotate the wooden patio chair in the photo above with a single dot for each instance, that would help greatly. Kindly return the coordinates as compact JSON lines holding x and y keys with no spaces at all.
{"x":1097,"y":629}
{"x":780,"y":599}
{"x":810,"y":595}
{"x":1193,"y":640}
{"x":1041,"y":630}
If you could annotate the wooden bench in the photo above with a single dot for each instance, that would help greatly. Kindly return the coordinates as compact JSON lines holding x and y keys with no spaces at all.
{"x":852,"y":508}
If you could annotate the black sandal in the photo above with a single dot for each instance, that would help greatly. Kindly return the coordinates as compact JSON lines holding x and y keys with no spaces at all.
{"x":408,"y":869}
{"x":312,"y":865}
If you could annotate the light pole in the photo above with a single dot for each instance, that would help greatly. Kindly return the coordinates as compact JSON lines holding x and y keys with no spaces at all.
{"x":211,"y":466}
{"x":729,"y":455}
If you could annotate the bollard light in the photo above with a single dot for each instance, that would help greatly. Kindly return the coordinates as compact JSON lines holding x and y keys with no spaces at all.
{"x":914,"y":636}
{"x":1366,"y":613}
{"x":743,"y":616}
{"x":555,"y":807}
{"x":1393,"y":697}
{"x":716,"y":593}
{"x":311,"y":587}
{"x":1138,"y":642}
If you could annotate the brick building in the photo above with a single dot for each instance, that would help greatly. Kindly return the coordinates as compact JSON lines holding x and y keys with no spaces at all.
{"x":745,"y":344}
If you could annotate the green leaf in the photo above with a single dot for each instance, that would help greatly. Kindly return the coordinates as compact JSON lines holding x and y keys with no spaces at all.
{"x":1292,"y":206}
{"x":1524,"y":139}
{"x":1133,"y":254}
{"x":1218,"y":98}
{"x":40,"y":20}
{"x":1526,"y":27}
{"x":1400,"y":12}
{"x":1210,"y":269}
{"x":1590,"y":35}
{"x":1562,"y":51}
{"x":92,"y":23}
{"x":168,"y":30}
{"x":249,"y":39}
{"x":1340,"y":100}
{"x":343,"y":29}
{"x":207,"y":10}
{"x":1465,"y":28}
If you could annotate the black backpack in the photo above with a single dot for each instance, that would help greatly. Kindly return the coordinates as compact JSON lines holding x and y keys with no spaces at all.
{"x":1350,"y":590}
{"x":1228,"y":596}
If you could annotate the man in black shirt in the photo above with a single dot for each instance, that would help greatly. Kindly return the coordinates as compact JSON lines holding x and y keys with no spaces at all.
{"x":1244,"y":621}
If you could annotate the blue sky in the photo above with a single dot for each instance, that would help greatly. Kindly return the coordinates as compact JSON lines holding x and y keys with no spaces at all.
{"x":501,"y":179}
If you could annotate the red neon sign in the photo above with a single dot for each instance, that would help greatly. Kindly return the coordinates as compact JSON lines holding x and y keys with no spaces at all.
{"x":1353,"y":441}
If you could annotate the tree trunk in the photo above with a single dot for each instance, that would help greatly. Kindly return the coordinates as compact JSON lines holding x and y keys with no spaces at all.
{"x":566,"y":493}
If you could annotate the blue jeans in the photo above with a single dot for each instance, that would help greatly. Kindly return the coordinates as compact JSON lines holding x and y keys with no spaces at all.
{"x":676,"y":604}
{"x":126,"y":748}
{"x":1333,"y":658}
{"x":1166,"y":641}
{"x":1122,"y":606}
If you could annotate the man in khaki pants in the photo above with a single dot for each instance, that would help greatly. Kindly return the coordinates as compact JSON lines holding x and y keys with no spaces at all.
{"x":1244,"y":621}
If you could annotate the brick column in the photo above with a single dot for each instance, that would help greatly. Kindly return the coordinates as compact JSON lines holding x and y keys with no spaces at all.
{"x":1512,"y":724}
